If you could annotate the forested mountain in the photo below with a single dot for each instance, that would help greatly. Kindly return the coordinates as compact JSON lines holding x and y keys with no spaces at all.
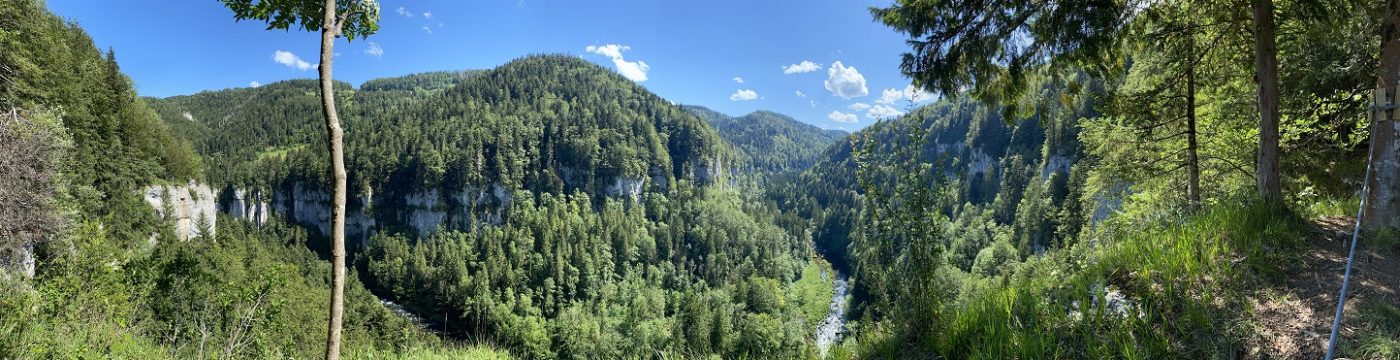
{"x":769,"y":141}
{"x":993,"y":169}
{"x":109,"y":278}
{"x":545,"y":198}
{"x":450,"y":148}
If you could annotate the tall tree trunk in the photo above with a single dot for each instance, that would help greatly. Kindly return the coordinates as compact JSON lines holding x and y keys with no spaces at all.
{"x":1382,"y":203}
{"x":329,"y":31}
{"x":1193,"y":162}
{"x":1266,"y":74}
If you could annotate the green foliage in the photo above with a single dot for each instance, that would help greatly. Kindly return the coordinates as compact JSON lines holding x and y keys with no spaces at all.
{"x":1185,"y":296}
{"x":990,"y":260}
{"x":696,"y":274}
{"x":994,"y":50}
{"x":355,"y":18}
{"x":558,"y":269}
{"x":812,"y":292}
{"x":254,"y":291}
{"x":113,"y":142}
{"x":547,"y":123}
{"x":1011,"y":180}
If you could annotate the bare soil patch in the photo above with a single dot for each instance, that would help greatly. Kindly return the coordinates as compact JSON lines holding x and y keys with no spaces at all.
{"x":1294,"y":318}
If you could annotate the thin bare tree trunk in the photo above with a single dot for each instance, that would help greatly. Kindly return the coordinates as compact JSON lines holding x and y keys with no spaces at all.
{"x":1382,"y":203}
{"x":329,"y":31}
{"x":1193,"y":162}
{"x":1266,"y":73}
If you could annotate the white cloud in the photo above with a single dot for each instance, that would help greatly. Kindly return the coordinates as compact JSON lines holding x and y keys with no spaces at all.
{"x":291,"y":60}
{"x":845,"y":81}
{"x":841,"y":117}
{"x":800,"y":94}
{"x":859,"y":106}
{"x":254,"y":83}
{"x":738,"y":80}
{"x":634,"y":70}
{"x":428,"y":14}
{"x":404,"y":12}
{"x":743,"y":95}
{"x":917,"y":95}
{"x":802,"y":67}
{"x":428,"y":29}
{"x":188,"y":116}
{"x":883,"y":111}
{"x":889,"y":96}
{"x":374,"y":50}
{"x":813,"y":102}
{"x":609,"y":50}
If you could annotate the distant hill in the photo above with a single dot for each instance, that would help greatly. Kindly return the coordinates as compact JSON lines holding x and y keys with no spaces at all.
{"x":993,"y":166}
{"x":771,"y":141}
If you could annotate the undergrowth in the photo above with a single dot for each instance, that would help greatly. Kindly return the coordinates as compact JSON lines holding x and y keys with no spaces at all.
{"x":1174,"y":288}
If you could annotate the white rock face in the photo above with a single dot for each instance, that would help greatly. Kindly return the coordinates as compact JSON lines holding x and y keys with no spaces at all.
{"x":979,"y":163}
{"x":706,"y":171}
{"x":626,"y":187}
{"x":1054,"y":164}
{"x":248,"y":205}
{"x":424,"y":211}
{"x":26,"y":259}
{"x":312,"y":207}
{"x":1108,"y":203}
{"x":18,"y":260}
{"x":189,"y":206}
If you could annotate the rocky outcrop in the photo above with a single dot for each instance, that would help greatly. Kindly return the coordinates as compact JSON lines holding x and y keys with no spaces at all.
{"x":420,"y":212}
{"x":707,"y":170}
{"x":629,"y":187}
{"x":17,"y":260}
{"x":1054,"y":164}
{"x":244,"y":204}
{"x":312,"y":208}
{"x":979,"y":163}
{"x":190,"y":207}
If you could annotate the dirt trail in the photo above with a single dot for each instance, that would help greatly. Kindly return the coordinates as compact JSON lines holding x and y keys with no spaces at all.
{"x":1295,"y":318}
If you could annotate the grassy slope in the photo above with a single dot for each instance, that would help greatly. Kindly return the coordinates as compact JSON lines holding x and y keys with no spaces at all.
{"x":1190,"y":283}
{"x":812,"y":293}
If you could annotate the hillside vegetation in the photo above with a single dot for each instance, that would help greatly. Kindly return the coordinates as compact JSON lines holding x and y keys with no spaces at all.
{"x":1089,"y":194}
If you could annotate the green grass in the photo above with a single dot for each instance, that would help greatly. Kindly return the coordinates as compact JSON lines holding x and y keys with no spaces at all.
{"x":811,"y":294}
{"x":477,"y":351}
{"x":1188,"y":278}
{"x":1378,"y":336}
{"x":278,"y":151}
{"x":1329,"y":207}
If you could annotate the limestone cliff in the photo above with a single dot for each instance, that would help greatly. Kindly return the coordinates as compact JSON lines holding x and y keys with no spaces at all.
{"x":190,"y":207}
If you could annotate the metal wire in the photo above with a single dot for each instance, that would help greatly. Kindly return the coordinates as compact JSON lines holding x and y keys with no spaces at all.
{"x":1356,"y":231}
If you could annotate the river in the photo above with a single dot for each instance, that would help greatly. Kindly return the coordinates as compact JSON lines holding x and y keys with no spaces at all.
{"x":834,"y":325}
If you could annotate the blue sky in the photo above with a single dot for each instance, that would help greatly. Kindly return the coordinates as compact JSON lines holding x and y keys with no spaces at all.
{"x":691,"y":52}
